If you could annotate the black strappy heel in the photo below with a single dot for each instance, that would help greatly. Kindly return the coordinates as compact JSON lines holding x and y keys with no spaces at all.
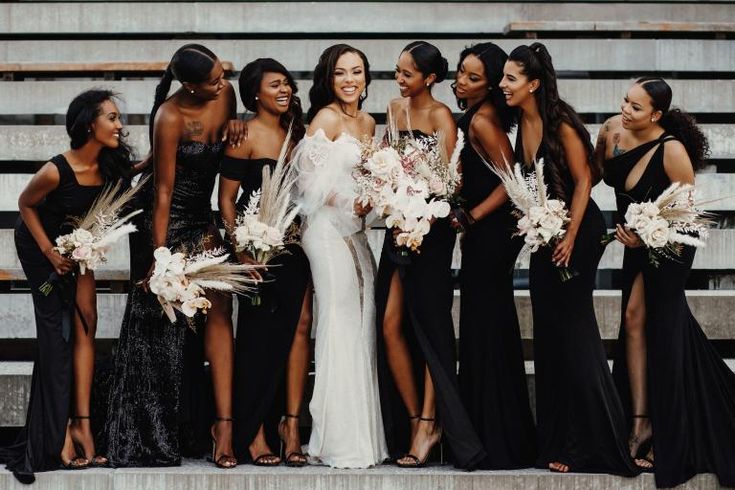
{"x":97,"y":461}
{"x":419,"y":463}
{"x":225,"y":461}
{"x":294,"y":459}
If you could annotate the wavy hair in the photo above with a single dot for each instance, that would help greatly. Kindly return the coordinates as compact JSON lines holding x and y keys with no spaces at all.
{"x":536,"y":64}
{"x":322,"y":93}
{"x":114,"y":163}
{"x":493,"y":59}
{"x":249,"y":84}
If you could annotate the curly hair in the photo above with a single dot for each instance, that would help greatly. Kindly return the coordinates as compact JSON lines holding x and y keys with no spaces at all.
{"x":249,"y":84}
{"x":114,"y":163}
{"x":322,"y":93}
{"x":676,"y":122}
{"x":493,"y":59}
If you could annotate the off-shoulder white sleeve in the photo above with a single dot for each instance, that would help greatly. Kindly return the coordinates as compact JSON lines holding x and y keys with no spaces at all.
{"x":325,"y":183}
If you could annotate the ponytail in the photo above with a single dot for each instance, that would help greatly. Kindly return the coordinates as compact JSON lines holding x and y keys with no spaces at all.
{"x":162,"y":90}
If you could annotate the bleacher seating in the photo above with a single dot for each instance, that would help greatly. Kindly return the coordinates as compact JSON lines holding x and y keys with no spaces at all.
{"x":49,"y":52}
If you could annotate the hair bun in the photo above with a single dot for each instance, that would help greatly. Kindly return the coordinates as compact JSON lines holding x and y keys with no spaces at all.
{"x":441,"y":73}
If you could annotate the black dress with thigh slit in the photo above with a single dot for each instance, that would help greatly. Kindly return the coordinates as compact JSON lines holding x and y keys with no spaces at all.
{"x":691,"y":391}
{"x":265,"y":331}
{"x":427,"y":302}
{"x":39,"y":444}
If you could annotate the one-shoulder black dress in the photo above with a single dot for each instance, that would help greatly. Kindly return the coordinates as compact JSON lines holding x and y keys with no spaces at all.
{"x":691,"y":391}
{"x":492,"y":378}
{"x":580,"y":420}
{"x":39,"y":444}
{"x":156,"y":391}
{"x":265,"y":331}
{"x":427,"y":300}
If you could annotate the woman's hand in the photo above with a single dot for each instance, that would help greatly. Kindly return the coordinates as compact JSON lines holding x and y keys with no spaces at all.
{"x":361,"y":210}
{"x":563,"y":251}
{"x":236,"y":132}
{"x":627,"y":237}
{"x":61,"y":264}
{"x":245,"y":258}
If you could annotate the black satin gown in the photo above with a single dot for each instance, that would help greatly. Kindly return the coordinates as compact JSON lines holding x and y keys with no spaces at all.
{"x":580,"y":419}
{"x":265,"y":331}
{"x":39,"y":444}
{"x":691,"y":391}
{"x":157,"y":396}
{"x":492,"y":377}
{"x":427,"y":301}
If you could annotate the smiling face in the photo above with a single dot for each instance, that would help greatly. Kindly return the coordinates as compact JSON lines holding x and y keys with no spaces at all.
{"x":348,"y":81}
{"x":516,"y":86}
{"x":212,"y":87}
{"x":274,"y":94}
{"x":107,"y":126}
{"x":472,"y":83}
{"x":411,"y":81}
{"x":637,"y":109}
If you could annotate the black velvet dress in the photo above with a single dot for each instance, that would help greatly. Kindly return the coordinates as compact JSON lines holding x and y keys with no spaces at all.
{"x":580,"y":420}
{"x":427,"y":301}
{"x":691,"y":391}
{"x":155,"y":404}
{"x":265,"y":331}
{"x":39,"y":444}
{"x":492,"y":378}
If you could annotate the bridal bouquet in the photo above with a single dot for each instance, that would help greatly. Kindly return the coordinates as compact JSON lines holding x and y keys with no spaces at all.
{"x":95,"y":233}
{"x":541,"y":221}
{"x":668,"y":223}
{"x":180,"y":281}
{"x":409,"y":181}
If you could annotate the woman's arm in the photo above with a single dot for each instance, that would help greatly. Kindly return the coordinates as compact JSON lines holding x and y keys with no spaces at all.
{"x":166,"y":133}
{"x":576,"y":155}
{"x":43,"y":182}
{"x":443,"y":122}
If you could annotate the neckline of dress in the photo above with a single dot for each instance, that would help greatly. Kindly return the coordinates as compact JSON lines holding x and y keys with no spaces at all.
{"x":323,"y":134}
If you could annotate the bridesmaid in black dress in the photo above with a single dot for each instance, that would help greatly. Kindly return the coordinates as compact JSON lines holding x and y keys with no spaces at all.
{"x":581,"y":425}
{"x":414,"y":298}
{"x":492,"y":378}
{"x":66,"y":186}
{"x":677,"y":392}
{"x":158,"y":372}
{"x":272,"y":339}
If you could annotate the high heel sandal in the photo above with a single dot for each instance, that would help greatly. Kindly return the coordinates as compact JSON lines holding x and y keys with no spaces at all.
{"x":97,"y":461}
{"x":294,"y":459}
{"x":415,"y":461}
{"x":644,"y":447}
{"x":225,"y":461}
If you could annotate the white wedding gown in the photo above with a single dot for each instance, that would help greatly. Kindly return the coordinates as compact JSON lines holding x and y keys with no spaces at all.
{"x":347,"y":426}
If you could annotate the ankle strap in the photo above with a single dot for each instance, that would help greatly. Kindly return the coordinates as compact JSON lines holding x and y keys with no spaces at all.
{"x":79,"y":417}
{"x":224,"y":419}
{"x":414,"y":417}
{"x":290,"y":416}
{"x":426,"y":419}
{"x":640,"y":416}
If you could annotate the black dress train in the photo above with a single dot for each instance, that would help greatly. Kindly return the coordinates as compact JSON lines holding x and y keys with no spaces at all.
{"x":155,"y":403}
{"x":265,"y":331}
{"x":580,"y":420}
{"x":492,"y":378}
{"x":427,"y":300}
{"x":691,"y":391}
{"x":39,"y":444}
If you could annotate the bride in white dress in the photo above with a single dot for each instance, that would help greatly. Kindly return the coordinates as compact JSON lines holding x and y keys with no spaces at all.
{"x":347,"y":426}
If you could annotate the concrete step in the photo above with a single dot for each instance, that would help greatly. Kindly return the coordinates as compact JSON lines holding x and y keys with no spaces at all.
{"x":587,"y":96}
{"x":199,"y":475}
{"x":318,"y":17}
{"x":38,"y":143}
{"x":15,"y":381}
{"x":716,"y":190}
{"x":712,"y":308}
{"x":300,"y":55}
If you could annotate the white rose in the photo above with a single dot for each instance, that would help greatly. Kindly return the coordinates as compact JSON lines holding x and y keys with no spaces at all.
{"x":437,"y":187}
{"x":536,"y":214}
{"x":81,"y":253}
{"x":383,"y":162}
{"x":83,"y":236}
{"x":656,"y":234}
